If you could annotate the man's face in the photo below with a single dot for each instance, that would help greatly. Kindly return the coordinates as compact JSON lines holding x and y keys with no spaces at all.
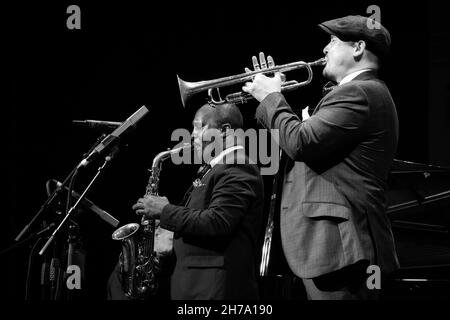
{"x":203,"y":135}
{"x":339,"y":56}
{"x":199,"y":128}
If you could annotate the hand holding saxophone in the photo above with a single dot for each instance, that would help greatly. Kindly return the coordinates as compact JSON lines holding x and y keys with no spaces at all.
{"x":150,"y":206}
{"x":262,"y":86}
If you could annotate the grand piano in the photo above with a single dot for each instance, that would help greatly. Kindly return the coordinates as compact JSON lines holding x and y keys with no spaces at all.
{"x":418,"y":198}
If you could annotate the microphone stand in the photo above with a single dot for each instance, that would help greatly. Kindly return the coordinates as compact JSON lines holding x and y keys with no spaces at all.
{"x":36,"y":235}
{"x":29,"y":238}
{"x":99,"y":146}
{"x":55,"y":193}
{"x":107,"y":160}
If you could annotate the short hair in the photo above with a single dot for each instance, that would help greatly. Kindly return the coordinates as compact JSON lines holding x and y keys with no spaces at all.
{"x":220,"y":114}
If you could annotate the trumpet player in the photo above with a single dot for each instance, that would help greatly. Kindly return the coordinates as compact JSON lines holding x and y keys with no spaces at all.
{"x":333,"y":221}
{"x":216,"y":228}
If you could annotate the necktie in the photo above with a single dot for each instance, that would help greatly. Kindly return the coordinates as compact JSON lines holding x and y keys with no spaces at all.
{"x":328,"y":87}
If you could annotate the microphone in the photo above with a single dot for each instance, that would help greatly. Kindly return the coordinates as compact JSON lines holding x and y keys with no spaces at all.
{"x":88,"y":204}
{"x":97,"y":123}
{"x":112,"y":139}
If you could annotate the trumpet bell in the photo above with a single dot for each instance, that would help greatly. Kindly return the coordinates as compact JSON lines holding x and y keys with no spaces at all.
{"x":184,"y":90}
{"x":188,"y":89}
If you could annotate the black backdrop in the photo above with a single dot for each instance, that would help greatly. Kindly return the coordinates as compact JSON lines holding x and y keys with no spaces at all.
{"x":127,"y":55}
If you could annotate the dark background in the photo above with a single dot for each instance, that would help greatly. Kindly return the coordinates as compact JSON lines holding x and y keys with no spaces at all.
{"x":127,"y":55}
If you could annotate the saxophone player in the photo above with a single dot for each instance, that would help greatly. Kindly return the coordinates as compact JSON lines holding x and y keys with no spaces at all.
{"x":216,"y":228}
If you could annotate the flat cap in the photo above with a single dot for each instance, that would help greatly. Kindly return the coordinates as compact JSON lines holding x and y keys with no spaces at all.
{"x":354,"y":28}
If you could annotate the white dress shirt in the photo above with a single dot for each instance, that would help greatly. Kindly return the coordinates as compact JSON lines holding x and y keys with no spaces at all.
{"x":222,"y":154}
{"x":352,"y":76}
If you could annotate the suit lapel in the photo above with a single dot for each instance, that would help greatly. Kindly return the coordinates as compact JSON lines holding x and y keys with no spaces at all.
{"x":237,"y":156}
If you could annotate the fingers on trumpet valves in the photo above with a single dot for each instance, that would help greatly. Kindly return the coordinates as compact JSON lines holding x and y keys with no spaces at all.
{"x":261,"y":64}
{"x":255,"y":64}
{"x":270,"y":62}
{"x":262,"y":60}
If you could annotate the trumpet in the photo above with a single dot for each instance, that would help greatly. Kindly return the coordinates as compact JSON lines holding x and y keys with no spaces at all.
{"x":187,"y":89}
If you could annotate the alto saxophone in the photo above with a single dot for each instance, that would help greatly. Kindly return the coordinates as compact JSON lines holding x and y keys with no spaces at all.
{"x":139,"y":262}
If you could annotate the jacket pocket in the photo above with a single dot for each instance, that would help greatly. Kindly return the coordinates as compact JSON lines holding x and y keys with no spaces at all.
{"x":201,"y":278}
{"x":204,"y":261}
{"x":326,"y":210}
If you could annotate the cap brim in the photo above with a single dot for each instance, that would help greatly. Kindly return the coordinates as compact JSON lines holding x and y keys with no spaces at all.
{"x":326,"y":29}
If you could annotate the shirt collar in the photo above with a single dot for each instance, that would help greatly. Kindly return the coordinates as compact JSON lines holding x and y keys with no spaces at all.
{"x":222,"y":154}
{"x":352,"y":76}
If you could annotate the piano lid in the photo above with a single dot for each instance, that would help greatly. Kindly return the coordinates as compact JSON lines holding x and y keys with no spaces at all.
{"x":418,"y":198}
{"x":402,"y":166}
{"x":412,"y":185}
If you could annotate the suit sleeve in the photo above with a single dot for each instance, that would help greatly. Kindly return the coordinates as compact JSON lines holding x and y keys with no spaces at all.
{"x":338,"y":123}
{"x":231,"y":196}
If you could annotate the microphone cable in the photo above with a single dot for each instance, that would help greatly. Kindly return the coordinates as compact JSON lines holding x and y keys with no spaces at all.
{"x":30,"y":262}
{"x":30,"y":256}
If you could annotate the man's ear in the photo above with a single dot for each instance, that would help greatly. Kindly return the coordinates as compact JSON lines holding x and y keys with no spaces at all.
{"x":359,"y":46}
{"x":225,"y":128}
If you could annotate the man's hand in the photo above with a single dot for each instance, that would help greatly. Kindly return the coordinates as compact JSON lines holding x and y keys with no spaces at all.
{"x":150,"y":206}
{"x":262,"y":86}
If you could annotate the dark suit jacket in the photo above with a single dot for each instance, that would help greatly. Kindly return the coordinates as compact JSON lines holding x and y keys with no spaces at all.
{"x":216,"y":235}
{"x":333,"y":198}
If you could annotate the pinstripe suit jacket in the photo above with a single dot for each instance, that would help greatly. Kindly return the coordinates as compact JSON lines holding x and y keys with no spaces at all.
{"x":333,"y":196}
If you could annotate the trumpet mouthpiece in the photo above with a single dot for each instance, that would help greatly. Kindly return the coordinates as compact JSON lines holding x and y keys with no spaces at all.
{"x":320,"y":62}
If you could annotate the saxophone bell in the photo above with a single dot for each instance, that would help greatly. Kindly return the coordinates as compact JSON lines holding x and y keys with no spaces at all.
{"x":125,"y":231}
